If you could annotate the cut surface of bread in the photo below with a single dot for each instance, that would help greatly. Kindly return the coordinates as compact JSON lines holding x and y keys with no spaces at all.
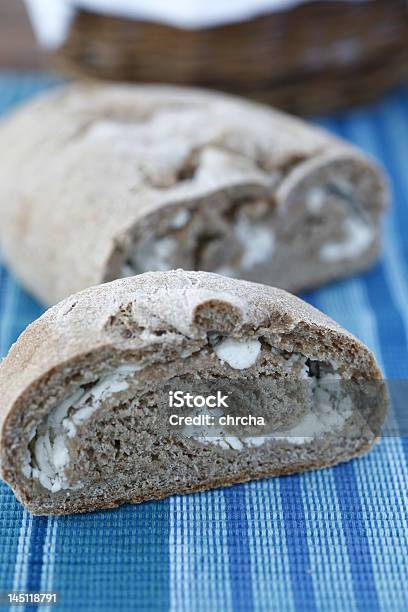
{"x":85,"y":410}
{"x":105,"y":181}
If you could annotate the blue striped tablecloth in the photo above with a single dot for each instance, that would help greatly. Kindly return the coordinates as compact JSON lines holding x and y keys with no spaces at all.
{"x":331,"y":540}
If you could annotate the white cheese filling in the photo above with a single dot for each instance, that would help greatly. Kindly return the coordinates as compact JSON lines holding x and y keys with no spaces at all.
{"x":154,"y":254}
{"x":49,"y":456}
{"x":329,"y":410}
{"x":359,"y":237}
{"x":258,"y":242}
{"x":323,"y":419}
{"x":239,"y":354}
{"x":315,"y":199}
{"x":180,"y":219}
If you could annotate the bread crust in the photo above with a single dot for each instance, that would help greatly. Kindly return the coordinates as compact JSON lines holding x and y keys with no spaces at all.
{"x":86,"y":166}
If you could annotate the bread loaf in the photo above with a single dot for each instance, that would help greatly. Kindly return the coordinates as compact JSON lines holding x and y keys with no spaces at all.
{"x":91,"y":392}
{"x":101,"y":182}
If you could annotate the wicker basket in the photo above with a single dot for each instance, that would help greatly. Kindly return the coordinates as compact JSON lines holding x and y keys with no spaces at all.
{"x":317,"y":57}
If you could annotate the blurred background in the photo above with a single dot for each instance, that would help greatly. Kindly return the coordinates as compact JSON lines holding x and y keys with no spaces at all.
{"x":306,"y":57}
{"x":18,"y":46}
